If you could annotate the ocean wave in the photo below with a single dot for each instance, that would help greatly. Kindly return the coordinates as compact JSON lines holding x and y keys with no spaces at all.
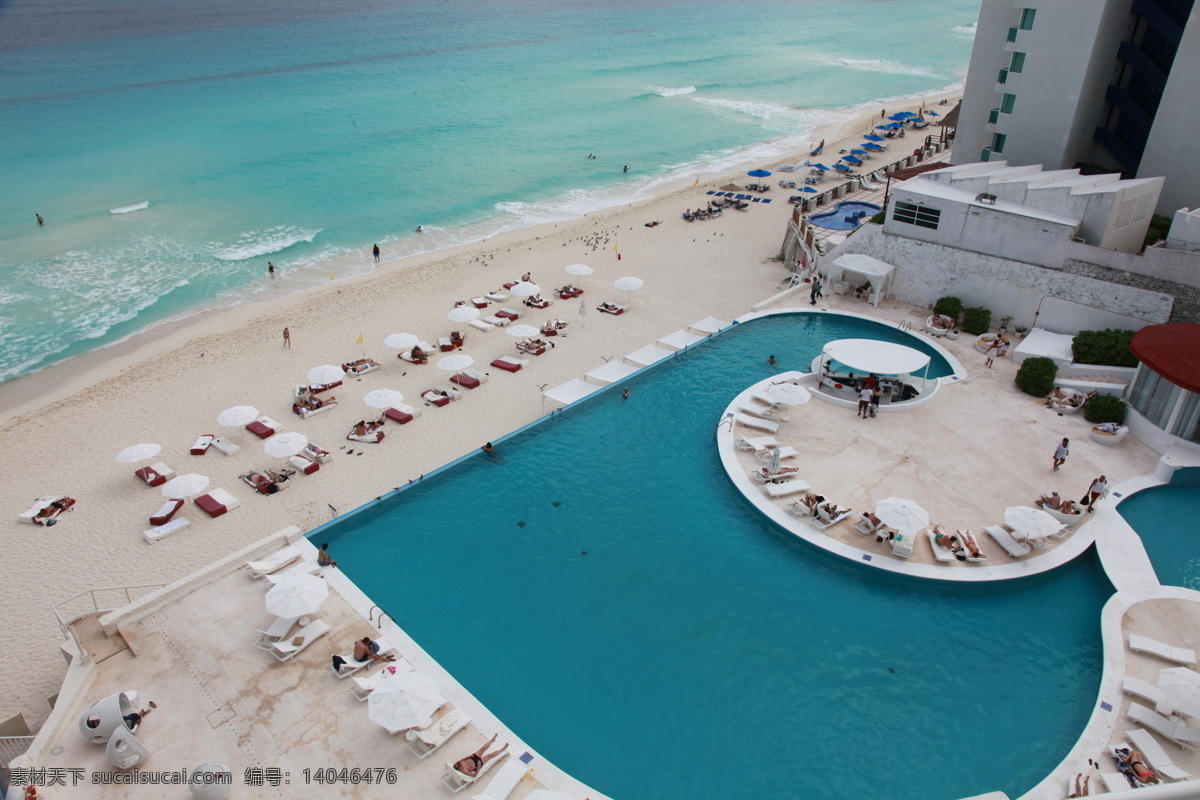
{"x":128,"y":209}
{"x":883,"y":65}
{"x":774,"y":117}
{"x":262,"y":243}
{"x":661,"y":92}
{"x":966,"y":30}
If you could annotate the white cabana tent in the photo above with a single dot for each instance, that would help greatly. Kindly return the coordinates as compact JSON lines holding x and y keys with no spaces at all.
{"x":878,"y":273}
{"x":871,"y":357}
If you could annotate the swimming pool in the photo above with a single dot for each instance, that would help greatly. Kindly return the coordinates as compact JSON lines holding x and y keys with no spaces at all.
{"x":1165,"y":518}
{"x":846,"y":216}
{"x":609,"y":595}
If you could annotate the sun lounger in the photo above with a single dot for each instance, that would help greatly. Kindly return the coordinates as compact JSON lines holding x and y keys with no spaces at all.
{"x":305,"y":413}
{"x":943,"y":554}
{"x":279,"y":628}
{"x":786,"y":488}
{"x":225,"y":446}
{"x":361,"y":688}
{"x":823,"y":520}
{"x":168,"y":510}
{"x":202,"y":444}
{"x":303,"y":465}
{"x":445,"y":344}
{"x":762,"y":476}
{"x":865,"y":526}
{"x":1004,"y":539}
{"x":430,"y":396}
{"x":755,"y":422}
{"x":373,"y":437}
{"x":352,"y":665}
{"x":498,"y":322}
{"x":509,"y":363}
{"x":403,"y":414}
{"x":496,"y":297}
{"x":1114,"y":782}
{"x":611,"y":308}
{"x":217,"y":502}
{"x":264,"y":427}
{"x":274,"y":562}
{"x":481,"y":325}
{"x":318,"y":454}
{"x":508,"y":313}
{"x":163,"y":531}
{"x":1174,"y":729}
{"x":755,"y":411}
{"x":501,"y":786}
{"x":155,"y":474}
{"x":423,"y":743}
{"x":455,"y":781}
{"x":970,"y":542}
{"x":470,"y":378}
{"x":30,"y":515}
{"x":303,"y":568}
{"x":290,"y":648}
{"x":1155,"y":756}
{"x":262,"y":483}
{"x":1147,"y":691}
{"x":1144,"y":644}
{"x":757,"y":444}
{"x":531,"y":349}
{"x":765,"y":455}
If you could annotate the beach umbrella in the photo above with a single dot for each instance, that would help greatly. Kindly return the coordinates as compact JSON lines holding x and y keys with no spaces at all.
{"x":384,"y":398}
{"x":901,"y":514}
{"x":522,"y":331}
{"x":895,"y":125}
{"x":874,"y":137}
{"x":874,"y":147}
{"x":405,"y":700}
{"x":401,"y":341}
{"x":582,"y":270}
{"x":858,"y":152}
{"x":283,"y":445}
{"x":1182,"y":690}
{"x":887,"y":127}
{"x":525,"y":289}
{"x":185,"y":485}
{"x":628,"y":284}
{"x":852,"y":159}
{"x":808,"y":189}
{"x":325,"y":374}
{"x":1031,"y":523}
{"x":455,"y":363}
{"x":786,"y":394}
{"x":821,"y":167}
{"x":932,"y":114}
{"x":237,"y":416}
{"x":138,"y":452}
{"x":463,"y":314}
{"x":296,"y":596}
{"x":773,"y":463}
{"x":758,"y":173}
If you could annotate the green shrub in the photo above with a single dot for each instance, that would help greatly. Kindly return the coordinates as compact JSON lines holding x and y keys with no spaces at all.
{"x":977,"y":320}
{"x":949,"y":306}
{"x":1160,"y":226}
{"x":1103,"y":408}
{"x":1036,"y":376}
{"x":878,"y":218}
{"x":1108,"y":348}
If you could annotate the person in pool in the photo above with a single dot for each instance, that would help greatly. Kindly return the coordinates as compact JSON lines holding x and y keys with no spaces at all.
{"x":472,"y":764}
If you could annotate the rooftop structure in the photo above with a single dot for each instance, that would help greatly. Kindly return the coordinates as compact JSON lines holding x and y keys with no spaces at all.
{"x":1165,"y":393}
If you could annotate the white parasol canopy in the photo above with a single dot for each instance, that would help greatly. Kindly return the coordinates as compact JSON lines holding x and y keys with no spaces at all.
{"x":628,"y":284}
{"x":525,"y":289}
{"x":401,"y":341}
{"x":455,"y":362}
{"x":138,"y":452}
{"x":903,"y":515}
{"x":880,"y":358}
{"x":1031,"y":523}
{"x":405,"y":700}
{"x":383,"y":398}
{"x":788,"y":394}
{"x":296,"y":596}
{"x":283,"y":445}
{"x":237,"y":416}
{"x":582,"y":270}
{"x":326,"y":373}
{"x":463,"y":314}
{"x":522,"y":331}
{"x":185,"y":485}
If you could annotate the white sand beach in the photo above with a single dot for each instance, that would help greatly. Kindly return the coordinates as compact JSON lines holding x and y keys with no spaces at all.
{"x":65,"y":424}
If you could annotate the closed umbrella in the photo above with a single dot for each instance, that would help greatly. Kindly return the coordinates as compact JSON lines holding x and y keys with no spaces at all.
{"x":773,"y":463}
{"x":1031,"y":523}
{"x":525,"y":289}
{"x":405,"y":700}
{"x":285,"y":445}
{"x":582,"y":270}
{"x":383,"y":398}
{"x":522,"y":331}
{"x":901,"y":514}
{"x":185,"y":485}
{"x":401,"y":341}
{"x":237,"y":416}
{"x":463,"y":314}
{"x":296,"y":596}
{"x":138,"y":452}
{"x":325,"y":374}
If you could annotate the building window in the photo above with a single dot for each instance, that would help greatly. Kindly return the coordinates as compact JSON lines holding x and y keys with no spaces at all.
{"x":1017,"y":64}
{"x":915,"y":214}
{"x":998,"y":140}
{"x":1007,"y":102}
{"x":1012,"y":34}
{"x":993,"y":116}
{"x":986,"y":154}
{"x":1002,"y":77}
{"x":1027,"y":19}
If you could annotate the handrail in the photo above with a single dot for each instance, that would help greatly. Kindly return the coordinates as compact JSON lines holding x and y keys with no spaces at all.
{"x":64,"y":626}
{"x":12,"y":747}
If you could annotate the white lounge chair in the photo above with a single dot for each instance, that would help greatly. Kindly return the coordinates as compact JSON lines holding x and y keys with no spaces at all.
{"x":39,"y":504}
{"x":362,"y":687}
{"x":276,"y":561}
{"x":352,"y":665}
{"x":1144,"y":644}
{"x":939,"y":552}
{"x":754,"y":422}
{"x":1004,"y":539}
{"x":762,"y":476}
{"x":501,"y":786}
{"x":163,"y":531}
{"x":423,"y":743}
{"x":786,"y":488}
{"x":456,"y":781}
{"x":225,"y":446}
{"x":497,"y":322}
{"x":902,"y":545}
{"x":757,"y":444}
{"x":1155,"y":756}
{"x":766,"y":454}
{"x":1114,"y":782}
{"x":755,"y":411}
{"x":482,"y":325}
{"x":866,"y":527}
{"x":289,"y":649}
{"x":1148,"y":691}
{"x":823,"y":520}
{"x":303,"y":568}
{"x":279,"y":628}
{"x":1174,"y":729}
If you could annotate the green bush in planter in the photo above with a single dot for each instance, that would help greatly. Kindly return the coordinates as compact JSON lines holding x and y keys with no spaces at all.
{"x":977,"y":320}
{"x":1108,"y":347}
{"x":1036,"y":376}
{"x":949,"y":306}
{"x":879,"y":218}
{"x":1103,"y":408}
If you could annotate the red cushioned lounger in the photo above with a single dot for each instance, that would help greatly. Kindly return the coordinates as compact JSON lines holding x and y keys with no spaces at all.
{"x":465,"y":381}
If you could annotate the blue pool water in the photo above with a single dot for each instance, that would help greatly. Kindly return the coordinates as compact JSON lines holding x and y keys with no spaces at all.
{"x":846,"y":216}
{"x":1165,"y":518}
{"x":605,"y":591}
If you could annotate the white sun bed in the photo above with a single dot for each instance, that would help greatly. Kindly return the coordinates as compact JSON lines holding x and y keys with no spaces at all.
{"x":1004,"y":539}
{"x":303,"y":568}
{"x":766,"y":454}
{"x":498,"y":322}
{"x":865,"y":526}
{"x":645,"y":356}
{"x":482,"y":325}
{"x":1149,"y":692}
{"x":902,"y":545}
{"x":708,"y":326}
{"x":822,"y":521}
{"x":939,"y":552}
{"x":276,"y":561}
{"x":279,"y":628}
{"x":290,"y":648}
{"x":352,"y":666}
{"x":571,"y":391}
{"x":1174,"y":729}
{"x":362,"y":687}
{"x":39,"y":504}
{"x":166,"y":529}
{"x":680,"y":340}
{"x":1155,"y":756}
{"x":501,"y":786}
{"x":968,"y":539}
{"x":1144,"y":644}
{"x":1114,"y":782}
{"x":757,"y":444}
{"x":764,"y":477}
{"x":611,"y":372}
{"x":786,"y":488}
{"x":754,"y":411}
{"x":755,"y":422}
{"x":455,"y":781}
{"x":225,"y":446}
{"x":423,"y":743}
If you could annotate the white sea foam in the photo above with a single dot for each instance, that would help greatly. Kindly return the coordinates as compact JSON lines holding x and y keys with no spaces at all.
{"x":661,"y":92}
{"x":261,"y":243}
{"x":883,"y":65}
{"x":773,"y":117}
{"x":129,"y":209}
{"x":966,"y":30}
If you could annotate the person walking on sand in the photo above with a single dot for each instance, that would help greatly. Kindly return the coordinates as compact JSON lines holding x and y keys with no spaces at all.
{"x":287,"y":338}
{"x":270,"y":269}
{"x":375,"y":252}
{"x":40,"y":220}
{"x":1061,"y":452}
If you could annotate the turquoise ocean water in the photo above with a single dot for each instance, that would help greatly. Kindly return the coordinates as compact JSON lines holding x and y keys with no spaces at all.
{"x":175,"y":146}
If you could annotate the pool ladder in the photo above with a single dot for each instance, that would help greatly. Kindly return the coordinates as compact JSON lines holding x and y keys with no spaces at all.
{"x":904,"y":325}
{"x":382,"y":614}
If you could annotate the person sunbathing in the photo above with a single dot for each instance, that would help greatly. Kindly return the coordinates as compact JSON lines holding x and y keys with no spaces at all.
{"x":872,"y":520}
{"x":1133,"y":759}
{"x":417,"y":354}
{"x":968,"y":541}
{"x":367,"y":649}
{"x":316,"y":452}
{"x":653,"y":224}
{"x":1107,"y":427}
{"x":1049,"y":500}
{"x":831,"y":510}
{"x":473,"y":763}
{"x":949,"y":542}
{"x":608,"y":307}
{"x":1059,"y":397}
{"x":355,"y":366}
{"x":1069,"y":507}
{"x":944,"y":322}
{"x":782,"y":471}
{"x":811,"y":500}
{"x":260,"y":482}
{"x":47,"y":516}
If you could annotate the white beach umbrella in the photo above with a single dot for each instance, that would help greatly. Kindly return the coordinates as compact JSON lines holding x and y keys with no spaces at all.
{"x":405,"y":700}
{"x":525,"y":289}
{"x":786,"y":394}
{"x":138,"y":452}
{"x":237,"y":416}
{"x":1182,"y":688}
{"x":455,"y":363}
{"x":773,"y":464}
{"x":628,"y":284}
{"x":522,"y":331}
{"x":283,"y":445}
{"x":463,"y":314}
{"x":582,"y":270}
{"x":383,"y":398}
{"x":401,"y":341}
{"x":903,"y":515}
{"x":1031,"y":523}
{"x":326,"y":373}
{"x":185,"y":485}
{"x":296,"y":596}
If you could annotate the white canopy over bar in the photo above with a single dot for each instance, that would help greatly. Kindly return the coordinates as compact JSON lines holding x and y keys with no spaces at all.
{"x":880,"y":358}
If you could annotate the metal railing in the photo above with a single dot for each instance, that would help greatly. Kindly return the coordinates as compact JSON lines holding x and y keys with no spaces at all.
{"x":13,"y":746}
{"x":95,"y":601}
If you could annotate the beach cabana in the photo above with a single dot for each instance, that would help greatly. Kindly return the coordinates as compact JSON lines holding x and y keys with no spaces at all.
{"x":878,"y":273}
{"x":903,"y":371}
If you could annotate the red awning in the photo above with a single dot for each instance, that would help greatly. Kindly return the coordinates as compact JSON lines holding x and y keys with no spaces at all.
{"x":1172,"y":351}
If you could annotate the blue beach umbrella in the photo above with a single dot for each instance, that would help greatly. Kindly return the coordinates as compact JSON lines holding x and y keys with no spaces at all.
{"x":932,"y":114}
{"x":873,"y":137}
{"x":852,"y":160}
{"x":876,"y":148}
{"x":858,"y":152}
{"x":808,"y":189}
{"x":884,"y":127}
{"x":758,"y":173}
{"x":841,"y":167}
{"x":821,"y":167}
